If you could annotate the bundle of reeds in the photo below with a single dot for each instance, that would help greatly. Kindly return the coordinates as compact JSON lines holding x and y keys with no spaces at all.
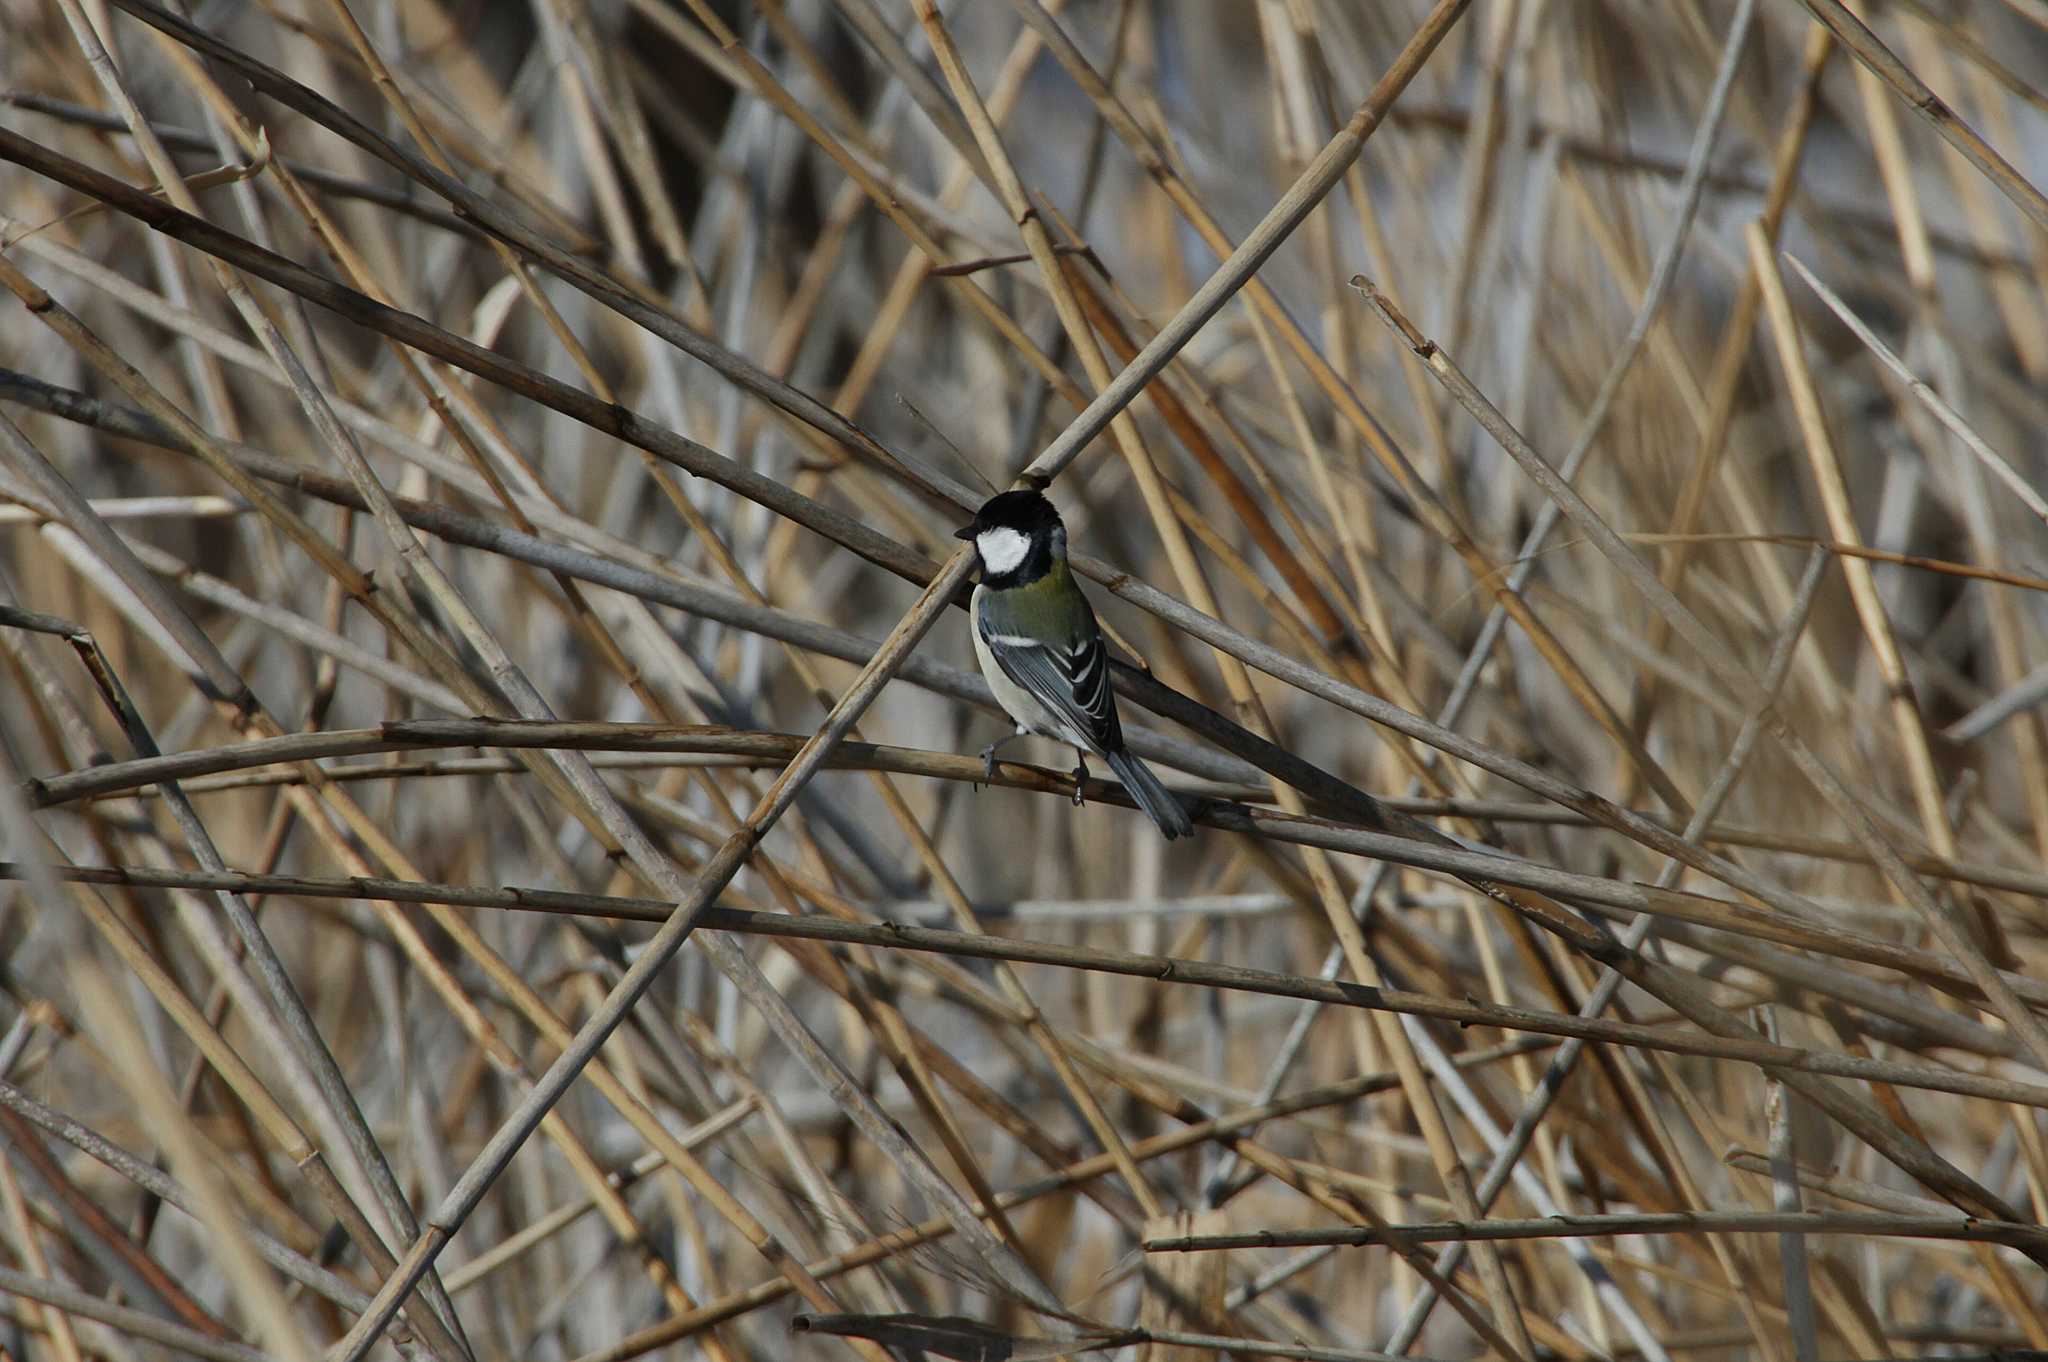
{"x":496,"y":860}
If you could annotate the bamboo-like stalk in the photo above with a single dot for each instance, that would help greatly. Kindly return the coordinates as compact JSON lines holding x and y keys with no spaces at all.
{"x":1591,"y":1226}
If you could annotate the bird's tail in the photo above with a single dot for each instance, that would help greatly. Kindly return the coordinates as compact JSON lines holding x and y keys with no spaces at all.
{"x":1155,"y":799}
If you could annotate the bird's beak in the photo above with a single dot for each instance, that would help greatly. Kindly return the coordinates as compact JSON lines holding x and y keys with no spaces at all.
{"x":964,"y":532}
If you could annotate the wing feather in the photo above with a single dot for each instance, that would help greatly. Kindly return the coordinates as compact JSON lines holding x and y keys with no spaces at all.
{"x":1069,"y":676}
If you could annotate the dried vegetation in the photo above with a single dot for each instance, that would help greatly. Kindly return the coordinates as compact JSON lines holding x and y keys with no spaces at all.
{"x":496,"y":865}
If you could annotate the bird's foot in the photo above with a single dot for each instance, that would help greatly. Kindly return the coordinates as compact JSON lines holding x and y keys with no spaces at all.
{"x":988,"y":754}
{"x":1080,"y":779}
{"x":988,"y":758}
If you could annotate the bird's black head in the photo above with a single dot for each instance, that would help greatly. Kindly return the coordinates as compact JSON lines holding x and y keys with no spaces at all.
{"x":1018,"y":536}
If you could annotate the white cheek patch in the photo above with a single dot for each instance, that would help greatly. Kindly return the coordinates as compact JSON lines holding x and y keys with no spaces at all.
{"x":1002,"y":550}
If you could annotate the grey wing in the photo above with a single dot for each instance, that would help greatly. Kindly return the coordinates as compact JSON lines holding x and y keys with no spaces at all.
{"x":1071,"y":679}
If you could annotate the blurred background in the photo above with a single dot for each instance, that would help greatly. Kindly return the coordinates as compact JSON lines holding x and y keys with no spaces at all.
{"x":631,"y":361}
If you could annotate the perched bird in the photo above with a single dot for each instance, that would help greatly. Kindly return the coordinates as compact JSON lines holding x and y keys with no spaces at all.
{"x":1041,"y":650}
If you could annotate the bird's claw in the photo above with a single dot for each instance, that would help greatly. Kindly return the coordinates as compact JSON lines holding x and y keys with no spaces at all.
{"x":1080,"y":779}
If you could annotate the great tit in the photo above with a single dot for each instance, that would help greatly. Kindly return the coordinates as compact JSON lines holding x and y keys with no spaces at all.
{"x":1041,"y":650}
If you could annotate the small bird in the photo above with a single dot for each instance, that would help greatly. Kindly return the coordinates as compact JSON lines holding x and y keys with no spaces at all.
{"x":1041,"y":650}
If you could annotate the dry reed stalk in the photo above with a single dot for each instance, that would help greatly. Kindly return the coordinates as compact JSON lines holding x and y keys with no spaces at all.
{"x":500,"y":773}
